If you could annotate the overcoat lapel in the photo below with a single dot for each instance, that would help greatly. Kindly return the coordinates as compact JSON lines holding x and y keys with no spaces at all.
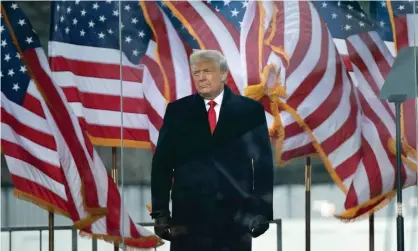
{"x":225,"y":124}
{"x":200,"y":121}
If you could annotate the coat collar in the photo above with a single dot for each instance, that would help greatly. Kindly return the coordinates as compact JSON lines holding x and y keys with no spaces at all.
{"x":218,"y":99}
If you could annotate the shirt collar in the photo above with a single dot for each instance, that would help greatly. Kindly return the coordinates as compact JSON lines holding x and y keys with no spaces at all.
{"x":218,"y":99}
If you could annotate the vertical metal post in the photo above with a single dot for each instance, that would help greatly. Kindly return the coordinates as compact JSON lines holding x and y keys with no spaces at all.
{"x":10,"y":240}
{"x":40,"y":240}
{"x":94,"y":245}
{"x":371,"y":232}
{"x":115,"y":179}
{"x":114,"y":166}
{"x":74,"y":239}
{"x":399,"y":219}
{"x":279,"y":234}
{"x":51,"y":231}
{"x":308,"y":172}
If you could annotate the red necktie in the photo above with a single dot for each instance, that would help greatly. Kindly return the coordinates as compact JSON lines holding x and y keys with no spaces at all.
{"x":212,"y":116}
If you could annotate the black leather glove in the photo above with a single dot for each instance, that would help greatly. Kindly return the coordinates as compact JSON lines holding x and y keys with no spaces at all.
{"x":258,"y":225}
{"x":162,"y":227}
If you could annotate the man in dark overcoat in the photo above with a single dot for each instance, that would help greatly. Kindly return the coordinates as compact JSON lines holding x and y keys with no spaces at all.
{"x":215,"y":147}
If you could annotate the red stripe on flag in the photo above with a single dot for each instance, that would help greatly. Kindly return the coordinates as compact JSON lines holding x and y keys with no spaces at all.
{"x":252,"y":54}
{"x":346,"y":131}
{"x":95,"y":69}
{"x":38,"y":191}
{"x":34,"y":105}
{"x":298,"y":152}
{"x":64,"y":123}
{"x":153,"y":116}
{"x":18,"y":152}
{"x":135,"y":234}
{"x":314,"y":77}
{"x":113,"y":226}
{"x":349,"y":166}
{"x":189,"y":52}
{"x":374,"y":174}
{"x":155,"y":72}
{"x":410,"y":121}
{"x":105,"y":102}
{"x":378,"y":56}
{"x":113,"y":132}
{"x":28,"y":132}
{"x":352,"y":200}
{"x":360,"y":64}
{"x":347,"y":62}
{"x":277,"y":25}
{"x":200,"y":26}
{"x":401,"y":26}
{"x":305,"y":36}
{"x":159,"y":28}
{"x":325,"y":109}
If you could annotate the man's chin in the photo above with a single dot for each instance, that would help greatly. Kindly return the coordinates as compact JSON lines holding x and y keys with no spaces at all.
{"x":204,"y":89}
{"x":204,"y":92}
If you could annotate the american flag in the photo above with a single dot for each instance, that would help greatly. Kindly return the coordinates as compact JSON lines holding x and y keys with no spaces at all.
{"x":213,"y":25}
{"x":93,"y":199}
{"x":27,"y":140}
{"x":327,"y":120}
{"x":167,"y":74}
{"x":86,"y":58}
{"x":166,"y":66}
{"x":320,"y":113}
{"x":220,"y":25}
{"x":401,"y":20}
{"x":371,"y":61}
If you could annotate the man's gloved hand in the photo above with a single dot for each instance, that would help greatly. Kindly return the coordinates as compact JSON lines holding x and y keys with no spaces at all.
{"x":258,"y":225}
{"x":162,"y":227}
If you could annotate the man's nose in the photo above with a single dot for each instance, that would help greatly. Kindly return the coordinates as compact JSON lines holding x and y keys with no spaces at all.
{"x":202,"y":76}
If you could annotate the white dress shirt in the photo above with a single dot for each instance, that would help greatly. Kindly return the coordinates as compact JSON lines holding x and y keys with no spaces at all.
{"x":217,"y":107}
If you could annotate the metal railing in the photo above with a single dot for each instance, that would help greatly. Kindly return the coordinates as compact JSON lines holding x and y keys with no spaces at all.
{"x":74,"y":235}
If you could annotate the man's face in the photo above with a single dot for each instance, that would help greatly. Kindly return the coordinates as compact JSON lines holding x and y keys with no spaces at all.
{"x":207,"y":78}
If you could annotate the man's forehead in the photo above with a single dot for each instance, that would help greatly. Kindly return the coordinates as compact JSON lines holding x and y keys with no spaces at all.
{"x":204,"y":65}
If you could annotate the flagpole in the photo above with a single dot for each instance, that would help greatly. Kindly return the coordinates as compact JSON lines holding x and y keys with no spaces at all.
{"x":115,"y":179}
{"x":51,"y":231}
{"x":308,"y":170}
{"x":122,"y":242}
{"x":399,"y":219}
{"x":371,"y":232}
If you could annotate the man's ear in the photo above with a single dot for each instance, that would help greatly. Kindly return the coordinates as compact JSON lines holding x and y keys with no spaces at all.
{"x":224,"y":76}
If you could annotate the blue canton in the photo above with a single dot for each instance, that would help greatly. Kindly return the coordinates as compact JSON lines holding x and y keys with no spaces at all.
{"x":233,"y":11}
{"x":96,"y":24}
{"x":182,"y":31}
{"x":14,"y":74}
{"x":380,"y":13}
{"x":344,"y":18}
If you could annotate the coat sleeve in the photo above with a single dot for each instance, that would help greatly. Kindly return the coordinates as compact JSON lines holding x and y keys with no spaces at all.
{"x":263,"y":167}
{"x":162,"y":167}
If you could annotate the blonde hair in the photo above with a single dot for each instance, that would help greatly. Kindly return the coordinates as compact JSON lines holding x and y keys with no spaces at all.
{"x":210,"y":56}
